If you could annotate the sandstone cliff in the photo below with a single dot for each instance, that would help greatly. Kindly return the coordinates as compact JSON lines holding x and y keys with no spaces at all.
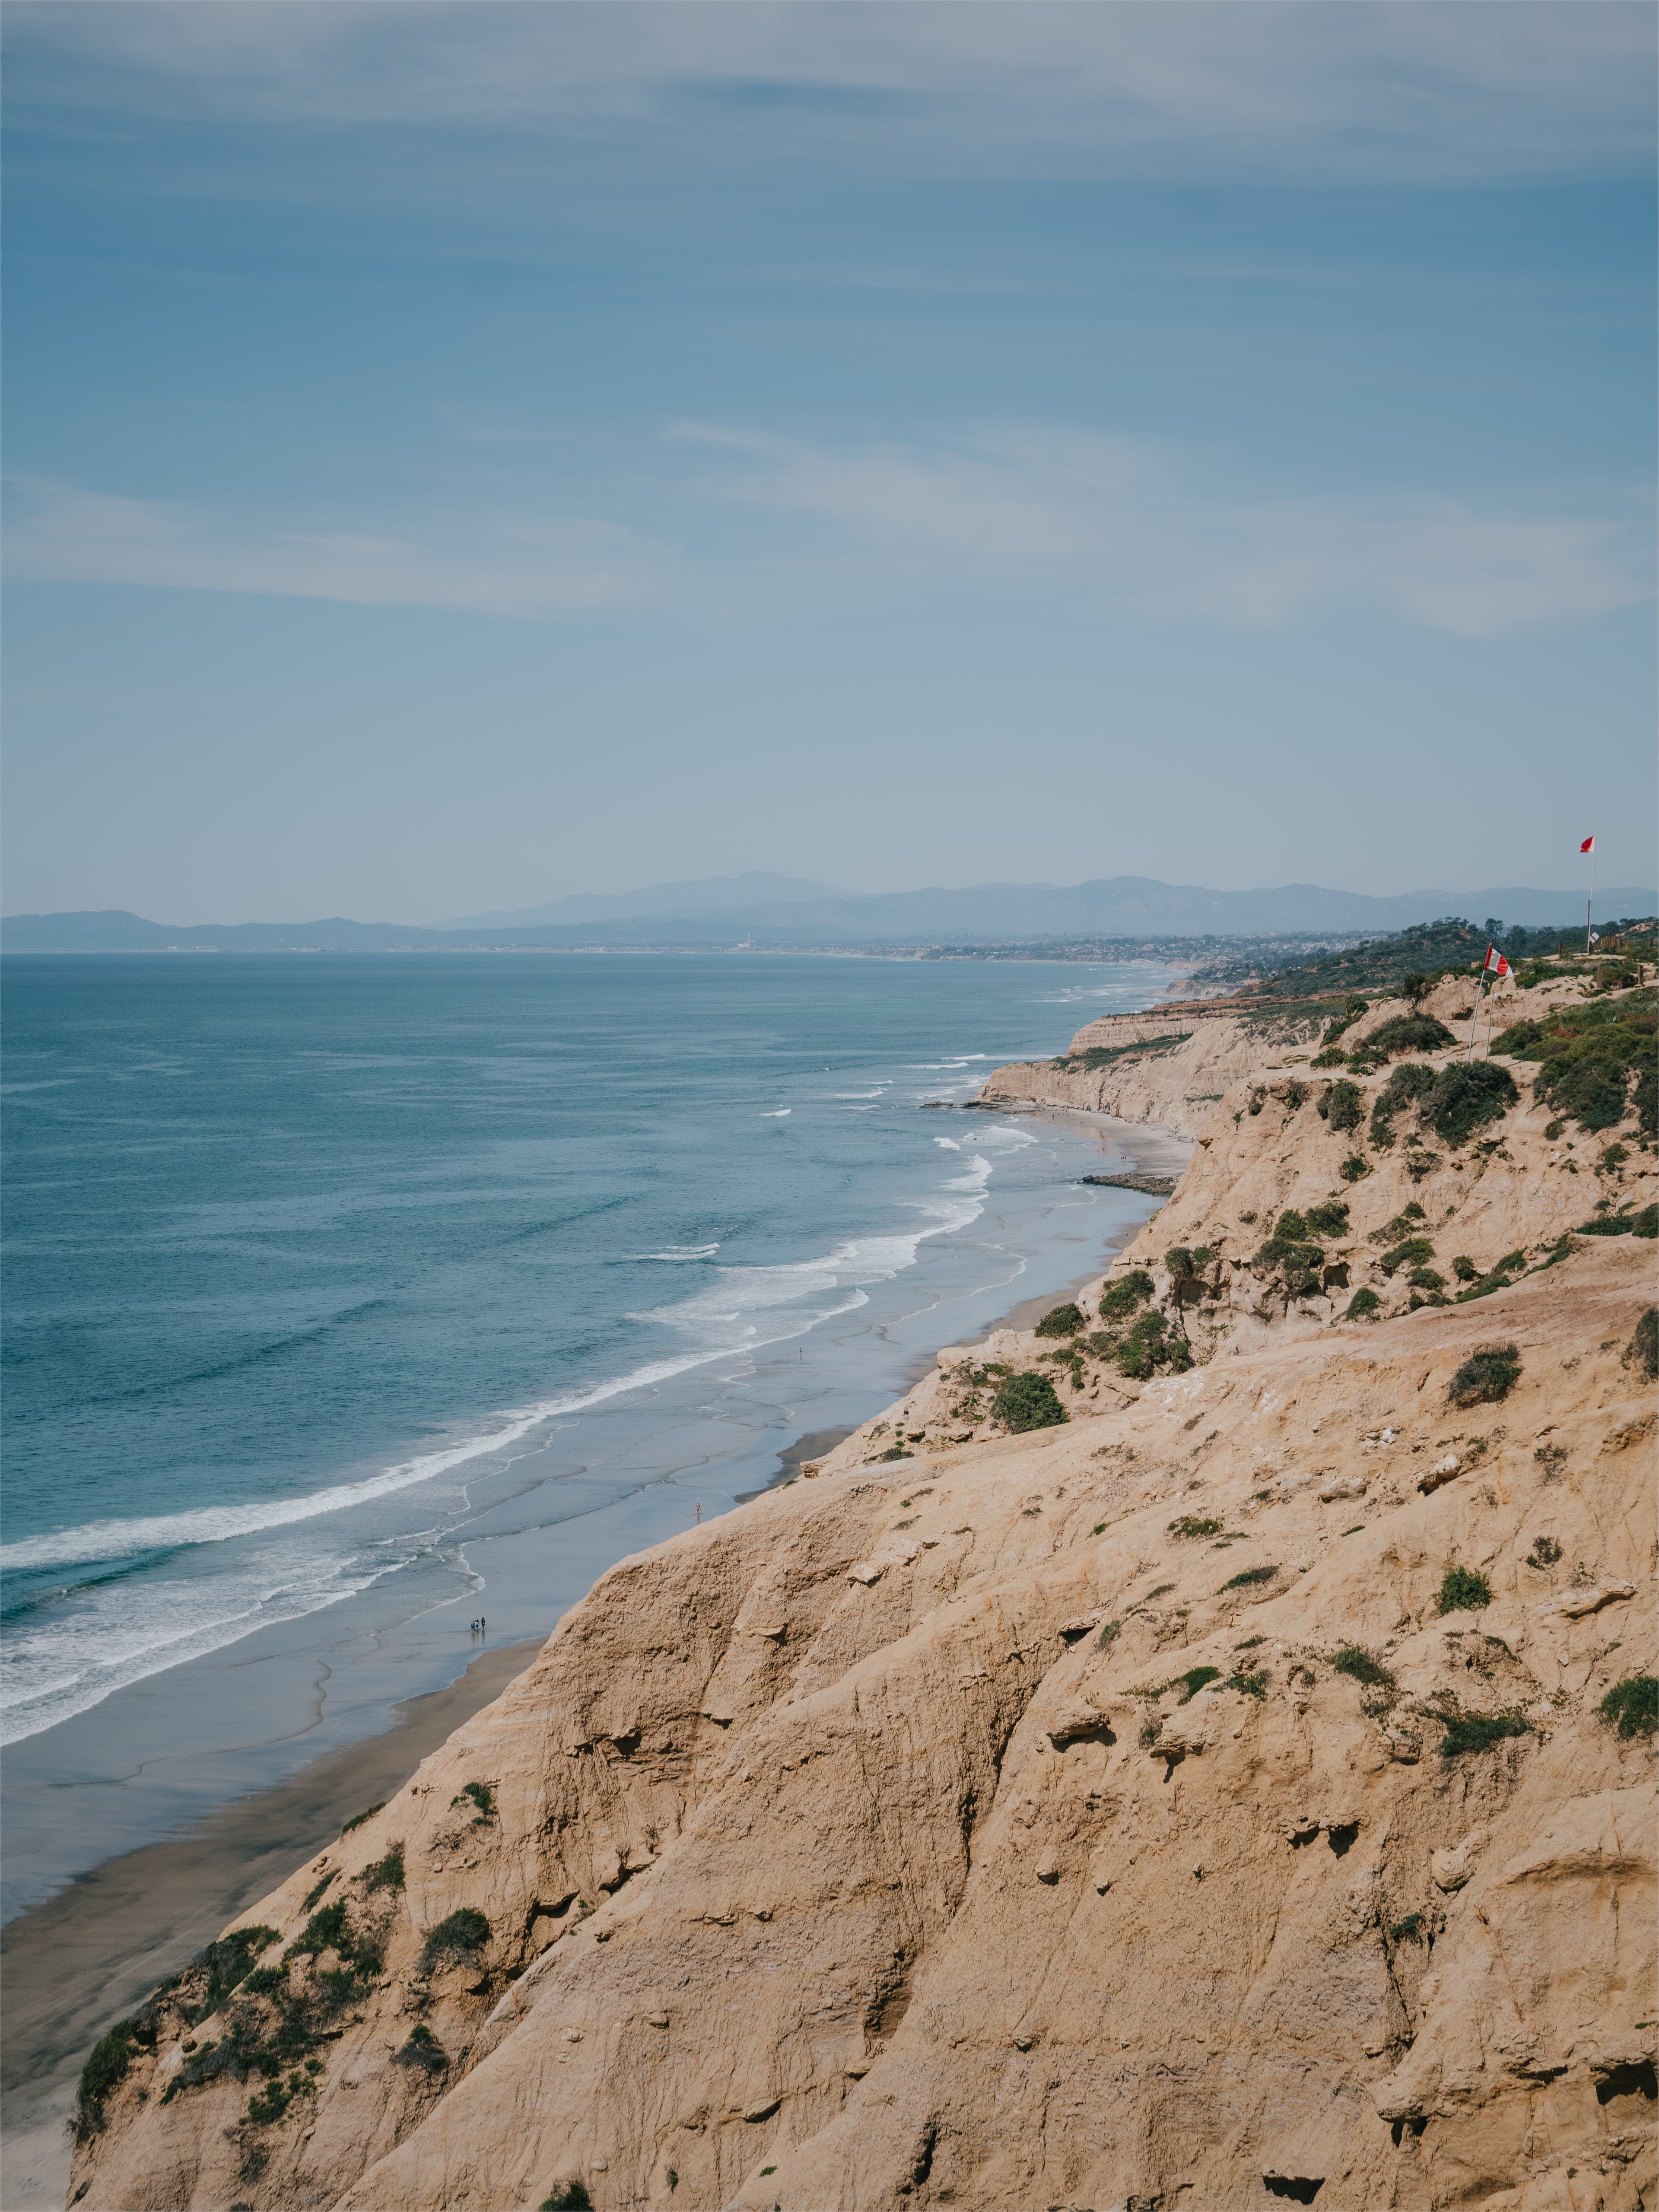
{"x":1115,"y":1814}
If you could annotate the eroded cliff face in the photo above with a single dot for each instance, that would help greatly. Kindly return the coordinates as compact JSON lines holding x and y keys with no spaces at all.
{"x":1099,"y":1815}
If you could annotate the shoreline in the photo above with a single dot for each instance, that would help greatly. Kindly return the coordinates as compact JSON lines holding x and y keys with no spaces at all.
{"x":117,"y":1930}
{"x":112,"y":1932}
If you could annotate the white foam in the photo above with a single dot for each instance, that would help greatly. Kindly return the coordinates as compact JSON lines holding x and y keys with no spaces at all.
{"x":947,"y":1144}
{"x":126,"y":1630}
{"x":998,"y":1137}
{"x":213,"y":1524}
{"x":776,"y":1114}
{"x":682,"y":1252}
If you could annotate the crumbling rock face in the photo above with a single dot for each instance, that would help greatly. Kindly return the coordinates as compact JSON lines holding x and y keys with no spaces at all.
{"x":996,"y":1826}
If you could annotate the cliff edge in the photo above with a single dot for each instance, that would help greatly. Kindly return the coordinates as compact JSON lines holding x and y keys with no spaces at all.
{"x":1196,"y":1754}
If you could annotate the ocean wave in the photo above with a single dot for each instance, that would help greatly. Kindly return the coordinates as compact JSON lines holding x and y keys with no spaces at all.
{"x":776,"y":1113}
{"x":948,"y":1143}
{"x":213,"y":1524}
{"x":681,"y":1252}
{"x":69,"y":1663}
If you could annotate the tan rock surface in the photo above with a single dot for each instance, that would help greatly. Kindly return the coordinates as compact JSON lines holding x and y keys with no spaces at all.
{"x":887,"y":1841}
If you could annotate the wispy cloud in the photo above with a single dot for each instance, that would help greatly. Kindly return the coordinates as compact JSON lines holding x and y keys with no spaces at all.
{"x":499,"y":567}
{"x":1128,"y":530}
{"x":1372,"y":87}
{"x":1128,"y":524}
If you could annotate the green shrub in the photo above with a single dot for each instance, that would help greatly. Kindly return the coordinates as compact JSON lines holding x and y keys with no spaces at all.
{"x":1593,"y":1056}
{"x":1250,"y":1685}
{"x":1466,"y":1095}
{"x":1641,"y":1353}
{"x":1061,"y":1321}
{"x":1644,"y":1223}
{"x":1120,"y":1299}
{"x":1330,"y":1218}
{"x":1545,"y":1551}
{"x":1179,"y":1262}
{"x":1353,"y":1659}
{"x":1502,"y":1276}
{"x":1291,"y":1254}
{"x":1194,"y":1679}
{"x":1424,"y":1279}
{"x":1406,"y":1930}
{"x":1403,"y":1088}
{"x":1410,"y":1254}
{"x":1414,"y":987}
{"x":457,"y":1936}
{"x":1364,"y":1303}
{"x":1355,"y":1168}
{"x":482,"y":1795}
{"x":1465,"y":1269}
{"x":1027,"y":1402}
{"x":387,"y":1873}
{"x":1148,"y":1346}
{"x":1190,"y":1524}
{"x":327,"y":1930}
{"x":1249,"y":1576}
{"x":358,"y":1819}
{"x":1487,"y":1376}
{"x":1401,"y":1225}
{"x":1405,"y":1033}
{"x":1468,"y":1732}
{"x":105,"y":2070}
{"x":1462,"y":1590}
{"x":1633,"y":1706}
{"x":569,"y":2197}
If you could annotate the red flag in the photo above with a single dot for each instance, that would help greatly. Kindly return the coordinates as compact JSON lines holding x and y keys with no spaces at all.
{"x":1496,"y":963}
{"x":1589,"y":845}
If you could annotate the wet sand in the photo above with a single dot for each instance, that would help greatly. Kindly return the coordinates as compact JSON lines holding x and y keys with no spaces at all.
{"x":95,"y":1950}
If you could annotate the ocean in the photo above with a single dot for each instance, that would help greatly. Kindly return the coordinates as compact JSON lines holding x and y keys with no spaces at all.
{"x":350,"y":1300}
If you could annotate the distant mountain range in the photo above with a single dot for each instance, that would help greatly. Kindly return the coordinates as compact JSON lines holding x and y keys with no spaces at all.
{"x":711,"y":895}
{"x":777,"y":912}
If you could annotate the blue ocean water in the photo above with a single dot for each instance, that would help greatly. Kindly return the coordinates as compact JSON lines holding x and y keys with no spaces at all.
{"x":321,"y":1270}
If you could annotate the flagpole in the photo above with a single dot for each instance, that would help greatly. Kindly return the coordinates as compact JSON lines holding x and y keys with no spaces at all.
{"x":1479,"y":988}
{"x":1590,"y":904}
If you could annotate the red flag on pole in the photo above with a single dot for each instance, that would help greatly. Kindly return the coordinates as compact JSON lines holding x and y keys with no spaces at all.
{"x":1589,"y":845}
{"x":1496,"y":963}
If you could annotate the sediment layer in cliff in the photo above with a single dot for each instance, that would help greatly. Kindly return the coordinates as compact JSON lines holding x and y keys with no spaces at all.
{"x":1206,"y":1799}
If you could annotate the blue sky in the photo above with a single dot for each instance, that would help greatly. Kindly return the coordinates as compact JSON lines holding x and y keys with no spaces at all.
{"x":462,"y":454}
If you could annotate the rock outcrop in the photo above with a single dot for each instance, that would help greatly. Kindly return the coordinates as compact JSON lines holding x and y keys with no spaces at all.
{"x":1206,"y":1801}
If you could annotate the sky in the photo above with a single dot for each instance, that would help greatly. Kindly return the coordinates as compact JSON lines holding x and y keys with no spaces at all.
{"x":459,"y":455}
